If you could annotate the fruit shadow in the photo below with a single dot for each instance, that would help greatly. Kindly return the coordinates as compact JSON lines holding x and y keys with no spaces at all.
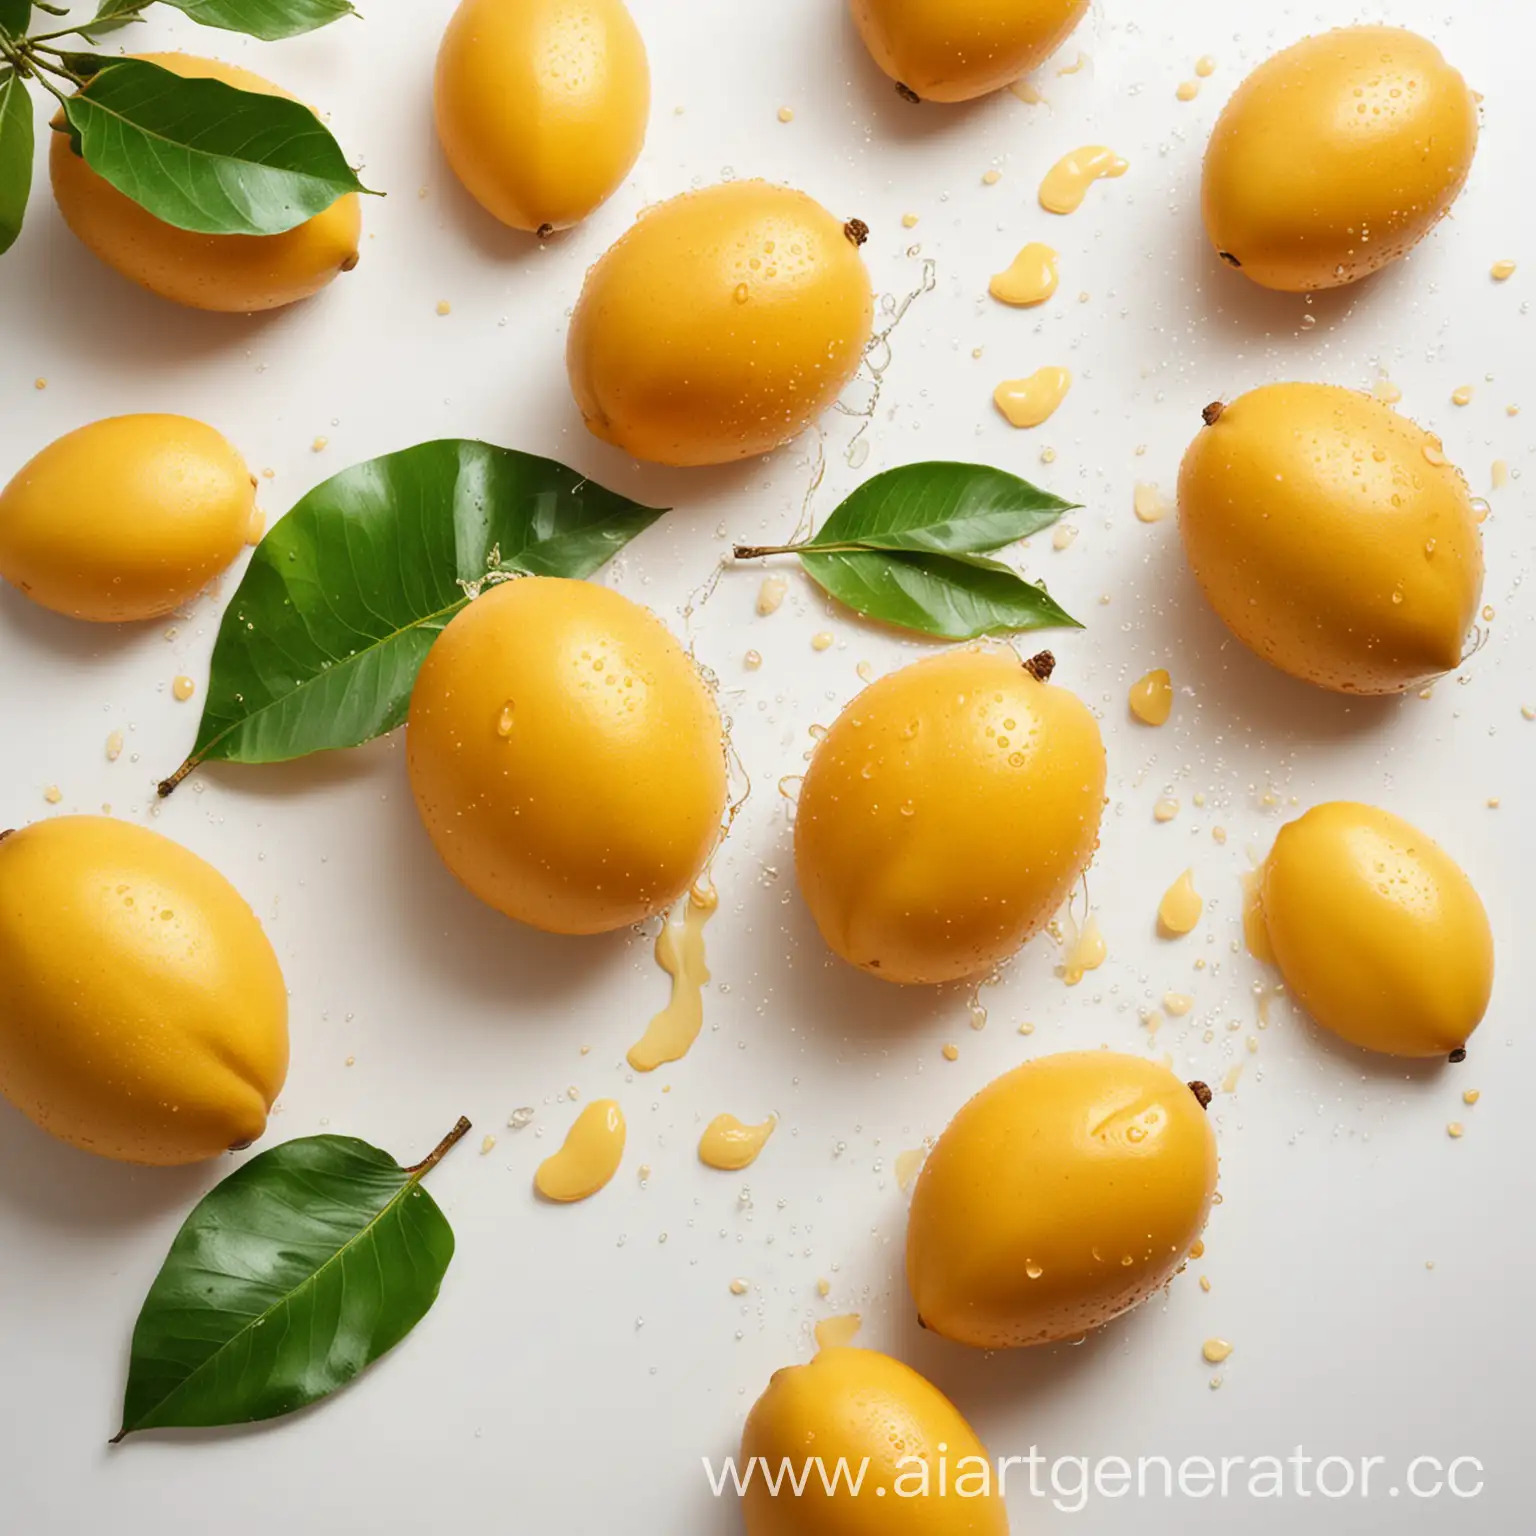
{"x":25,"y":623}
{"x":1418,"y":1079}
{"x":1241,"y":310}
{"x":53,"y":1184}
{"x":88,"y":300}
{"x":1227,"y":677}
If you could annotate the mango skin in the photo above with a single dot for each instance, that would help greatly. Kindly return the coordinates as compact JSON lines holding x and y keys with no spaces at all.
{"x":542,"y":106}
{"x":956,"y":50}
{"x":234,"y":274}
{"x":143,"y":1014}
{"x":1066,"y":1192}
{"x":604,"y":798}
{"x":126,"y":518}
{"x":1322,"y":530}
{"x":720,"y":326}
{"x":1337,"y":156}
{"x":857,"y":1403}
{"x":947,"y":815}
{"x":1379,"y":934}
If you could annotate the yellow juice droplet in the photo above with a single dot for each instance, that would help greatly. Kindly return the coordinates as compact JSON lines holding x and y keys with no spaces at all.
{"x":1078,"y":64}
{"x":1030,"y":279}
{"x":182,"y":689}
{"x":114,"y":746}
{"x":822,"y":641}
{"x":908,"y":1165}
{"x":1471,"y":1096}
{"x":1462,"y":396}
{"x":680,"y":953}
{"x":1027,"y":93}
{"x":1088,"y":952}
{"x":1255,"y":930}
{"x":992,"y":177}
{"x":833,"y":1332}
{"x":1502,"y":271}
{"x":1153,"y":1022}
{"x":1499,"y":477}
{"x":1433,"y":454}
{"x":730,"y":1146}
{"x":255,"y":526}
{"x":786,"y":114}
{"x":1178,"y":1003}
{"x":594,"y":1147}
{"x":1205,"y":66}
{"x":1188,"y":90}
{"x":1165,"y":809}
{"x":1151,"y":697}
{"x":1180,"y":908}
{"x":1386,"y":391}
{"x":1028,"y":402}
{"x":770,"y":596}
{"x":950,"y":1052}
{"x":1064,"y":537}
{"x":1216,"y":1350}
{"x":53,"y":794}
{"x":1147,"y":502}
{"x":1066,"y":183}
{"x":1229,"y":1082}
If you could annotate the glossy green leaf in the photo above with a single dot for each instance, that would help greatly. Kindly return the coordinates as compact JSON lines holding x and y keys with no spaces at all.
{"x":956,"y":597}
{"x":293,"y":1275}
{"x":14,"y":17}
{"x":203,"y":156}
{"x":15,"y":156}
{"x":957,"y":509}
{"x":342,"y":600}
{"x":266,"y":19}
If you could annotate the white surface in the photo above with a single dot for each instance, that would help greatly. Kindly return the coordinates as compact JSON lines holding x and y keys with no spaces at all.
{"x":580,"y":1361}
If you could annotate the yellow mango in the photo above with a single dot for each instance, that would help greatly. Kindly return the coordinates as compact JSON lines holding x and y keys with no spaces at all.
{"x":1337,"y":156}
{"x":567,"y":758}
{"x":126,"y":518}
{"x":947,"y":815}
{"x":1379,"y":934}
{"x":1332,"y":536}
{"x":955,"y":50}
{"x":542,"y":106}
{"x":1066,"y":1192}
{"x":921,"y":1469}
{"x":238,"y":274}
{"x":142,"y":1012}
{"x":721,"y":326}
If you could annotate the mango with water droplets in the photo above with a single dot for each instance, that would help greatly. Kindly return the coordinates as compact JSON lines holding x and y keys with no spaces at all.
{"x":1066,"y":1192}
{"x":143,"y":1014}
{"x":721,"y":326}
{"x":880,"y":1416}
{"x":948,"y":814}
{"x":234,"y":274}
{"x":955,"y":50}
{"x":566,"y":756}
{"x":126,"y":518}
{"x":542,"y":105}
{"x":1379,"y":934}
{"x":1337,"y":156}
{"x":1332,"y":536}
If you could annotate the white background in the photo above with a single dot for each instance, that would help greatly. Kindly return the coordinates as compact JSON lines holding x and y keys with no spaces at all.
{"x":581,"y":1360}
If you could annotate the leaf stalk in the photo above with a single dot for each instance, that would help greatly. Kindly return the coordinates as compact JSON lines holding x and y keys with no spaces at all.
{"x":461,"y":1129}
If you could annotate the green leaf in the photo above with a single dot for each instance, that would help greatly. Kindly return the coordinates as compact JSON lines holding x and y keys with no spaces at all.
{"x":293,"y":1275}
{"x":956,"y":597}
{"x":203,"y":156}
{"x":956,"y":509}
{"x":113,"y":15}
{"x":15,"y":156}
{"x":322,"y":641}
{"x":15,"y":16}
{"x":266,"y":19}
